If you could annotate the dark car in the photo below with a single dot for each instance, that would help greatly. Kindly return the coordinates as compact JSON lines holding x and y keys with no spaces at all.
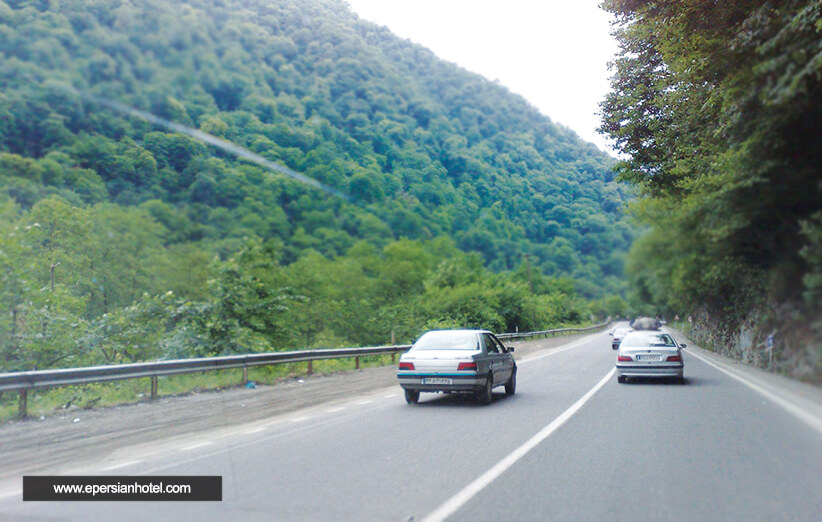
{"x":645,"y":323}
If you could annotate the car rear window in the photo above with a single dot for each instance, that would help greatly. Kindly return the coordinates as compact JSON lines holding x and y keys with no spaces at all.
{"x":649,"y":339}
{"x":447,"y":341}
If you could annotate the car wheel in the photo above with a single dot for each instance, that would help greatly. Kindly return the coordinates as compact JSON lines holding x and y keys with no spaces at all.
{"x":622,"y":379}
{"x":486,"y":395}
{"x":412,"y":396}
{"x":511,"y":385}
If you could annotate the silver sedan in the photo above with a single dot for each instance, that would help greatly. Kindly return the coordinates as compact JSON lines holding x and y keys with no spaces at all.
{"x":618,"y":334}
{"x":472,"y":361}
{"x":649,"y":354}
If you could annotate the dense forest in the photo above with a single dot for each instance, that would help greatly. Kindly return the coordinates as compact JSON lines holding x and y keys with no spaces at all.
{"x":718,"y":106}
{"x":123,"y":239}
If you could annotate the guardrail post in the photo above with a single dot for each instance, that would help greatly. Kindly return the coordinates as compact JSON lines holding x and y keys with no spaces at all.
{"x":153,"y":387}
{"x":357,"y":363}
{"x":23,"y":404}
{"x":245,"y":374}
{"x":310,"y":367}
{"x":393,"y":357}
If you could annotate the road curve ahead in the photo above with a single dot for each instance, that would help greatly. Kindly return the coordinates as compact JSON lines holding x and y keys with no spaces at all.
{"x":572,"y":444}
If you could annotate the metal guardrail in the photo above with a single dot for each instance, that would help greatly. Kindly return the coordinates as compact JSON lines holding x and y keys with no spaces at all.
{"x":61,"y":377}
{"x":551,"y":332}
{"x":29,"y":380}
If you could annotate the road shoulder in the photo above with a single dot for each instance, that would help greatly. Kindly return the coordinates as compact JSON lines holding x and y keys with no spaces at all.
{"x":801,"y":399}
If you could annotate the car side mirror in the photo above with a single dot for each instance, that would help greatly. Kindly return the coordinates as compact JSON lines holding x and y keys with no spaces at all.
{"x":683,"y":345}
{"x":611,"y":334}
{"x":510,"y":348}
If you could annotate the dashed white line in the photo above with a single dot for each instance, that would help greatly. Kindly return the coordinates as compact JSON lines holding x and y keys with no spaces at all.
{"x":300,"y":419}
{"x":556,"y":351}
{"x":195,"y":446}
{"x":253,"y":431}
{"x":122,"y":465}
{"x":390,"y":396}
{"x":335,"y":410}
{"x":16,"y":492}
{"x":468,"y":492}
{"x":361,"y":403}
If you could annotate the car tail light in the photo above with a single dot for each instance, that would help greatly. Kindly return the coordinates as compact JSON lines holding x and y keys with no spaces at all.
{"x":674,"y":358}
{"x":467,"y":366}
{"x":624,"y":358}
{"x":406,"y":366}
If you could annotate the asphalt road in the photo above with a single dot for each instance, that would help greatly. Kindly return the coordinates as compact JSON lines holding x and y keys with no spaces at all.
{"x":572,"y":444}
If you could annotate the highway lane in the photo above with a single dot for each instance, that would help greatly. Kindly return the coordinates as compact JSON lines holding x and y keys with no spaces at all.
{"x":711,"y":449}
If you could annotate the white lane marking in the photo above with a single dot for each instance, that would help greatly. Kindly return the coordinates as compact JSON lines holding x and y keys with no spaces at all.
{"x":556,"y":350}
{"x":361,"y":403}
{"x":254,"y":430}
{"x":122,"y":465}
{"x":16,"y":492}
{"x":813,"y":421}
{"x":335,"y":410}
{"x":390,"y":395}
{"x":195,"y":446}
{"x":300,"y":419}
{"x":468,"y":492}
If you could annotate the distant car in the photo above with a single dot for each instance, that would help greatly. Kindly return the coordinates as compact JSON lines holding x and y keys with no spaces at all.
{"x":645,"y":323}
{"x":618,"y":334}
{"x":650,"y":354}
{"x":470,"y":361}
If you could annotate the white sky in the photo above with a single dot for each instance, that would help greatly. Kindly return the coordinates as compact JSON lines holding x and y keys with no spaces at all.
{"x":552,"y":52}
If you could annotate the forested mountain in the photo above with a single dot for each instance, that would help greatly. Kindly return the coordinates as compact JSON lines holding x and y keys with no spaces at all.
{"x":113,"y":223}
{"x":719,"y":107}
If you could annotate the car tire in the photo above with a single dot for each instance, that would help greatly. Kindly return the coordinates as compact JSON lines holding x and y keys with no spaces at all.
{"x":487,"y":395}
{"x":412,"y":396}
{"x":622,"y":379}
{"x":511,"y":385}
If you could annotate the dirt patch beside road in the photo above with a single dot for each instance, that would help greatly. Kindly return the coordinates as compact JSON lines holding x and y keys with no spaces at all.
{"x":37,"y":446}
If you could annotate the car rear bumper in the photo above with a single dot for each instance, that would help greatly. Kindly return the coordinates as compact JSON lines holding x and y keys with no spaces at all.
{"x":466,"y":382}
{"x":634,"y":370}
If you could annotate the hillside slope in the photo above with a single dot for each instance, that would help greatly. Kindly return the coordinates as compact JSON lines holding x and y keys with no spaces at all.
{"x":425,"y":146}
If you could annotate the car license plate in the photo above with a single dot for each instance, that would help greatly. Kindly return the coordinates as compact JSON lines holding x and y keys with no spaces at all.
{"x":648,"y":357}
{"x":436,"y":380}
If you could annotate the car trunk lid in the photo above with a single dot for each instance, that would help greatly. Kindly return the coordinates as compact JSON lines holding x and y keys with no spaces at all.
{"x":438,"y":360}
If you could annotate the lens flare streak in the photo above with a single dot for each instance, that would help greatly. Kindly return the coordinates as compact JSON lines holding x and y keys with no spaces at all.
{"x":212,"y":140}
